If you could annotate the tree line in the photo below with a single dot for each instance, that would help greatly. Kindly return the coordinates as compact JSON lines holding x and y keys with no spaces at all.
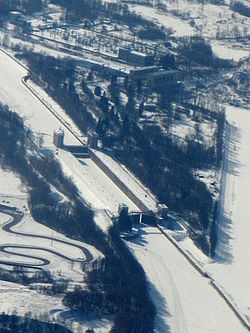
{"x":12,"y":323}
{"x":26,"y":7}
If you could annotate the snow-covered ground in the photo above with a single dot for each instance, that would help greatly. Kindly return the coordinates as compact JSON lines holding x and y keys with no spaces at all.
{"x":36,"y":116}
{"x":10,"y":185}
{"x":21,"y":299}
{"x":185,"y":301}
{"x":227,"y":52}
{"x":209,"y":20}
{"x":57,"y":110}
{"x":179,"y":27}
{"x":231,"y":265}
{"x":94,"y":186}
{"x":68,"y":268}
{"x":31,"y":237}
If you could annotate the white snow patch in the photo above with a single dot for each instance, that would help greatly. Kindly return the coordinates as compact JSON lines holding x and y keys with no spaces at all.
{"x":180,"y":27}
{"x":228,"y":52}
{"x":10,"y":185}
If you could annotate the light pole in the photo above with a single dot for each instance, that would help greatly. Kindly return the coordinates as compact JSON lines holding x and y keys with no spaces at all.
{"x":52,"y":236}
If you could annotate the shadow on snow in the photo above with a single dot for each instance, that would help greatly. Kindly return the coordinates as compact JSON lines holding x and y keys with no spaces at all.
{"x":231,"y":166}
{"x":159,"y":301}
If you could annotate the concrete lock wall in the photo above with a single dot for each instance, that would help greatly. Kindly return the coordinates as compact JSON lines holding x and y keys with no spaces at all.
{"x":240,"y":316}
{"x":118,"y":182}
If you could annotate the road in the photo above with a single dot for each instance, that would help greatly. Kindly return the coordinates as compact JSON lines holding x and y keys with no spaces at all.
{"x":41,"y":261}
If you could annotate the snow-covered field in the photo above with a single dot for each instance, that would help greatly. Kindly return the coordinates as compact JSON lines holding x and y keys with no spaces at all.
{"x":179,"y":27}
{"x":21,"y":300}
{"x":58,"y":266}
{"x":231,"y":265}
{"x":10,"y":185}
{"x":210,"y":21}
{"x":227,"y":52}
{"x":28,"y":233}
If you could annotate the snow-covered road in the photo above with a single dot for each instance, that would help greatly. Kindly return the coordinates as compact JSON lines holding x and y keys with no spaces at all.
{"x":27,"y":243}
{"x":8,"y":227}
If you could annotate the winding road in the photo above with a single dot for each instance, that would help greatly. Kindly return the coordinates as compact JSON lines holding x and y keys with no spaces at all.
{"x":5,"y":248}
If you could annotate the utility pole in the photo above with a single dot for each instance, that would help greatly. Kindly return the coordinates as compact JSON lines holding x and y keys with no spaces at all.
{"x":52,"y":236}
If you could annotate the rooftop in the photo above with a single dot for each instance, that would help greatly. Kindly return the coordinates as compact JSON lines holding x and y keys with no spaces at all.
{"x":165,"y":72}
{"x":144,"y":68}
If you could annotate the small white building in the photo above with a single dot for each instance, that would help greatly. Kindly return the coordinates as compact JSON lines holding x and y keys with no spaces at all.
{"x":58,"y":138}
{"x":162,"y":210}
{"x":122,"y":208}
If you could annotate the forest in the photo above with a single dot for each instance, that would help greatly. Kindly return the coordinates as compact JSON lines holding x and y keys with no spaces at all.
{"x":11,"y":323}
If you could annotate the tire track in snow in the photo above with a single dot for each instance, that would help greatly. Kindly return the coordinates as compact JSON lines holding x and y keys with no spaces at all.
{"x":167,"y":288}
{"x":16,"y":218}
{"x":180,"y":323}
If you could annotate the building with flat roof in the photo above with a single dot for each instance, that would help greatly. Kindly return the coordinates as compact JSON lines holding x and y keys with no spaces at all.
{"x":156,"y":77}
{"x":163,"y":78}
{"x":136,"y":58}
{"x":142,"y":73}
{"x":18,"y":19}
{"x":163,"y":210}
